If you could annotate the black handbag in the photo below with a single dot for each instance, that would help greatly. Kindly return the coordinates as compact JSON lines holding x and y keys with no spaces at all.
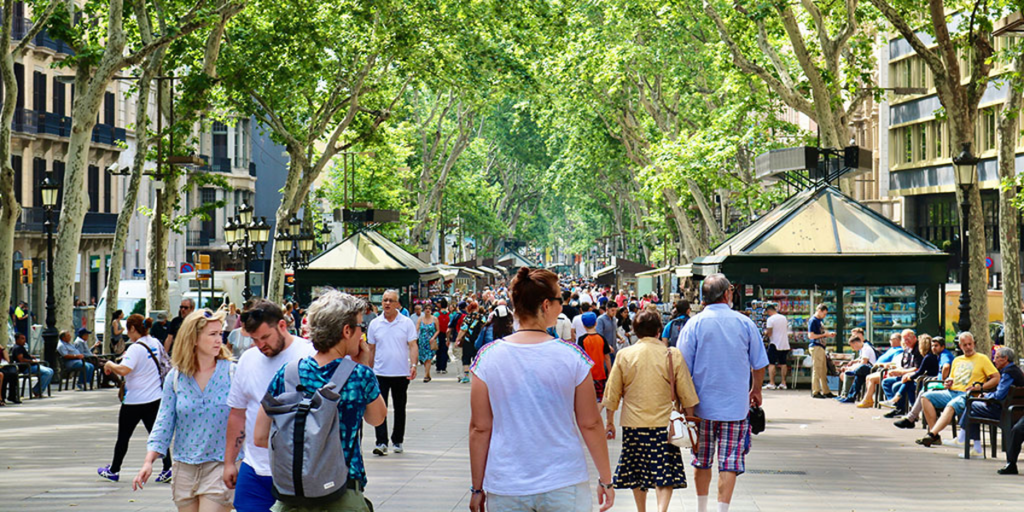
{"x":757,"y":420}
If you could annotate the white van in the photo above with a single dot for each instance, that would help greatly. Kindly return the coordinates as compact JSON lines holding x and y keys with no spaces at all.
{"x":131,"y":299}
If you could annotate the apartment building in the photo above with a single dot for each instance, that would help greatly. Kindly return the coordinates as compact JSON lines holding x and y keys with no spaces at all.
{"x":917,"y":151}
{"x":39,"y":143}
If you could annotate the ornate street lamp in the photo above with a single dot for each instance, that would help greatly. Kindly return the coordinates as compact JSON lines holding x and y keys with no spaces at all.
{"x":50,"y":190}
{"x":965,"y":166}
{"x":246,"y":239}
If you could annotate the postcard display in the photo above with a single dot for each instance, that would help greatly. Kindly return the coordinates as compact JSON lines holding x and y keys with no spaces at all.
{"x":797,"y":305}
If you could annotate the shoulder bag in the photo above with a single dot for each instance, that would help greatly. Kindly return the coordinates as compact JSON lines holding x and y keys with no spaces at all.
{"x":682,"y":431}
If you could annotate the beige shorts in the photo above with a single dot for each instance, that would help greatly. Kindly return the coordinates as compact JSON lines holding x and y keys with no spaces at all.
{"x":194,"y":480}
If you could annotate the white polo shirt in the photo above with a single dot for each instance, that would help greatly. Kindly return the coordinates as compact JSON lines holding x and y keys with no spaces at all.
{"x":391,"y":358}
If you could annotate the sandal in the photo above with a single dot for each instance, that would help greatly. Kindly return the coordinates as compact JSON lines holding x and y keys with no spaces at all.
{"x":426,"y":379}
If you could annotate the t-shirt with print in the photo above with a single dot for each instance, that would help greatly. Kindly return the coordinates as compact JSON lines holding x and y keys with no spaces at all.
{"x":596,"y":348}
{"x":142,"y":385}
{"x":252,"y":377}
{"x":529,"y":385}
{"x":968,"y":370}
{"x":359,"y":391}
{"x":391,"y":339}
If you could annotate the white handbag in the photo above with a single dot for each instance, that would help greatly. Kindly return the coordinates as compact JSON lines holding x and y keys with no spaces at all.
{"x":682,"y":431}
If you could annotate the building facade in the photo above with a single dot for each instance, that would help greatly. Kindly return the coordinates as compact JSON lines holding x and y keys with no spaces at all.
{"x":917,"y":151}
{"x":39,"y":143}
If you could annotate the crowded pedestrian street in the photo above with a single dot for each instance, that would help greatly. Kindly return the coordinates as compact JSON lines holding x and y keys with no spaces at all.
{"x":814,"y":456}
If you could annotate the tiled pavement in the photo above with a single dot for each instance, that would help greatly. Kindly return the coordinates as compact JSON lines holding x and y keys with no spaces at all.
{"x":816,"y":455}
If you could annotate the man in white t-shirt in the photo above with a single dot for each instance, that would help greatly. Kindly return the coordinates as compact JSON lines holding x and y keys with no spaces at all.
{"x":577,"y":321}
{"x":857,"y":369}
{"x":395,"y":349}
{"x":266,"y":325}
{"x":777,"y":331}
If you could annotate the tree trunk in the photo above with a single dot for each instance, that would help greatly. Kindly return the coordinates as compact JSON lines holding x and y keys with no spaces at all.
{"x":1009,"y":214}
{"x":127,"y":206}
{"x":290,"y":203}
{"x":9,"y":207}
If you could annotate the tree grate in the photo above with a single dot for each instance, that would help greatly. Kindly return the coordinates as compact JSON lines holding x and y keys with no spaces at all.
{"x":775,"y":472}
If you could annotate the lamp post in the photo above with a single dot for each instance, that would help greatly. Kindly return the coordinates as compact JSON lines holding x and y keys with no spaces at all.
{"x":246,"y":238}
{"x":50,"y":191}
{"x":965,"y":166}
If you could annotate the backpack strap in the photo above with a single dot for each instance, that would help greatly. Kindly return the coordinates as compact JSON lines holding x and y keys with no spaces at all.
{"x":342,"y":373}
{"x":159,"y":368}
{"x":291,"y":375}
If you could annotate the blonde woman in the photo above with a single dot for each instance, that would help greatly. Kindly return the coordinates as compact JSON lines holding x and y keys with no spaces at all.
{"x":194,"y":412}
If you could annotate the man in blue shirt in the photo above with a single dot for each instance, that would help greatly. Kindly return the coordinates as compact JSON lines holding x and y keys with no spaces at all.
{"x":722,"y":348}
{"x":818,"y":335}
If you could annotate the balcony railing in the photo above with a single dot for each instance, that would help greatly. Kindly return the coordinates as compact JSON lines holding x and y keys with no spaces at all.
{"x":25,"y":121}
{"x":32,"y":219}
{"x":198,"y":238}
{"x":54,"y":124}
{"x":108,"y":134}
{"x":45,"y":41}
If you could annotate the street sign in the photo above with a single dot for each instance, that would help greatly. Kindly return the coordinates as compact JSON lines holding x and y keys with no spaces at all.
{"x":186,"y":268}
{"x":139,"y":272}
{"x":203,"y":274}
{"x":989,"y":262}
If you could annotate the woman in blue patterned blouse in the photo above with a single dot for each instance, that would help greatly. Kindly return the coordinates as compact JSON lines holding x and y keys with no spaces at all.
{"x":194,"y":412}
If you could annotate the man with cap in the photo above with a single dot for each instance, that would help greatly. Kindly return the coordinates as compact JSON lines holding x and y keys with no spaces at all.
{"x":73,"y":359}
{"x":159,"y":329}
{"x":595,"y":346}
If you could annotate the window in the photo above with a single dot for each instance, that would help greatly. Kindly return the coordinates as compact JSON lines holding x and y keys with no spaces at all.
{"x":107,"y":192}
{"x":38,"y":92}
{"x":905,"y":72}
{"x":937,"y":129}
{"x":38,"y":174}
{"x":19,"y":76}
{"x":922,"y":141}
{"x":990,"y":128}
{"x":908,"y":145}
{"x":94,"y":188}
{"x":108,"y":109}
{"x":208,"y":196}
{"x":58,"y":97}
{"x":18,"y":178}
{"x":58,"y":174}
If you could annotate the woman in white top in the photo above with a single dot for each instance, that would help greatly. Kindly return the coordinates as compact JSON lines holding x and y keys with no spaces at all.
{"x":526,"y":380}
{"x":140,"y":366}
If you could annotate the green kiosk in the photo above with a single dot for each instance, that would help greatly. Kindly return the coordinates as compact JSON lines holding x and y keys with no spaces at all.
{"x":365,"y":264}
{"x":821,"y":246}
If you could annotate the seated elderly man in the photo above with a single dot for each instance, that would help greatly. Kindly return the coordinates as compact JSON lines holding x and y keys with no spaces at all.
{"x":907,"y":362}
{"x":971,"y":373}
{"x":859,"y":368}
{"x":73,"y":359}
{"x":1010,"y":375}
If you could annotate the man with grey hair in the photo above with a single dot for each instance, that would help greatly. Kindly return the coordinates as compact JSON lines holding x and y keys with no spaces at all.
{"x":1010,"y":375}
{"x":395,"y":348}
{"x":723,"y":350}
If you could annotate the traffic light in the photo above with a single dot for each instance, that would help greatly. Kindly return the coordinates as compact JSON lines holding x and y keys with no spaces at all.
{"x":26,"y":272}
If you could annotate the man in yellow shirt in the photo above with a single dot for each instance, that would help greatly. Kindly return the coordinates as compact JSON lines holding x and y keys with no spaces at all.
{"x":971,"y":372}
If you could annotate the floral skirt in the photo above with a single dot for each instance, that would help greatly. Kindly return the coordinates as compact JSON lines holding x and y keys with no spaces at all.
{"x":647,"y":461}
{"x":425,"y":354}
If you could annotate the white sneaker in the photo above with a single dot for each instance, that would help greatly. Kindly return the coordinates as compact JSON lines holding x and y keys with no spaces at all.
{"x":381,"y":450}
{"x":974,"y":454}
{"x":397,"y":448}
{"x":769,"y":386}
{"x":782,"y":386}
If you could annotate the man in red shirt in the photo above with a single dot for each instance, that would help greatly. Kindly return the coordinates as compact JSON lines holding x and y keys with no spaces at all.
{"x":441,"y":363}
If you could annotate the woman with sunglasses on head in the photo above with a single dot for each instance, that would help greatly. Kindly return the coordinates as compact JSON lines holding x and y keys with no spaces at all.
{"x":194,"y":413}
{"x":526,"y":379}
{"x":141,"y":367}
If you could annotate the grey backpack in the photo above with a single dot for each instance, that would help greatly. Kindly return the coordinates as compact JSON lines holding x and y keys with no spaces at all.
{"x":306,"y":460}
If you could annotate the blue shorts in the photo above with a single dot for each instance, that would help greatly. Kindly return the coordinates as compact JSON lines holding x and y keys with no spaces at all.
{"x":943,"y":397}
{"x":253,"y":493}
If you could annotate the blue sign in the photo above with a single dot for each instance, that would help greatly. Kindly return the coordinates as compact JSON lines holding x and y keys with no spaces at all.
{"x":989,"y":262}
{"x":186,"y":268}
{"x":139,"y":273}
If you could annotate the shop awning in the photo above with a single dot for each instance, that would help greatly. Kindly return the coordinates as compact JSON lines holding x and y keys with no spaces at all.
{"x":656,"y":272}
{"x":605,"y":271}
{"x":684,"y":271}
{"x":489,"y":270}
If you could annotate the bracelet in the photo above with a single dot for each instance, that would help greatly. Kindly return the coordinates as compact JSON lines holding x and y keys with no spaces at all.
{"x":474,"y":490}
{"x":602,"y":484}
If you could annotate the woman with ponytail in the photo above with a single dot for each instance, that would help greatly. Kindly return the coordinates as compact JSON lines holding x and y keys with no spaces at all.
{"x":523,"y":380}
{"x":142,"y":367}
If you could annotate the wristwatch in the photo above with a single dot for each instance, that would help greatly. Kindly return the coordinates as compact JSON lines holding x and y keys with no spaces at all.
{"x":602,"y":484}
{"x":474,"y":490}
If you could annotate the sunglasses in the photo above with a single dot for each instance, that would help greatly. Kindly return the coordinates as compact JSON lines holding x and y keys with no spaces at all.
{"x":555,"y":299}
{"x":207,"y":314}
{"x":255,"y":314}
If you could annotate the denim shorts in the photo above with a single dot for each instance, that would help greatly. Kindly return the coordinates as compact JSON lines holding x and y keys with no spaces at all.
{"x":574,"y":498}
{"x":943,"y":397}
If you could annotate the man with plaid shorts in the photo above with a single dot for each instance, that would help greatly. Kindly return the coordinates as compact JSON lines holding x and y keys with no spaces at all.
{"x":723,"y":350}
